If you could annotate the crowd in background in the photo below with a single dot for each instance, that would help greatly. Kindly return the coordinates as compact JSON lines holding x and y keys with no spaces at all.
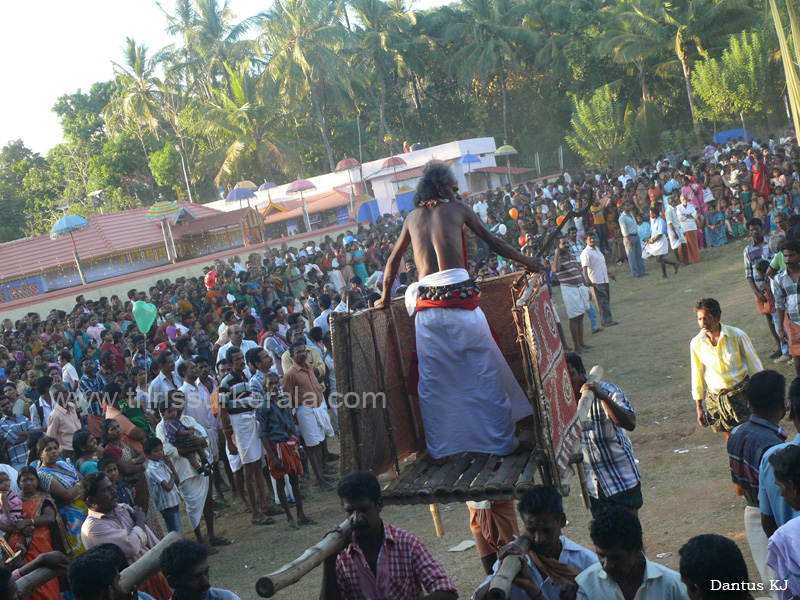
{"x":85,"y":391}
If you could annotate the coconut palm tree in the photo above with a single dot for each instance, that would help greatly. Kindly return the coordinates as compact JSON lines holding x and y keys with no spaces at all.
{"x":246,"y":121}
{"x":135,"y":106}
{"x":301,"y":41}
{"x":690,"y":28}
{"x":493,"y":40}
{"x":381,"y":41}
{"x":211,"y":39}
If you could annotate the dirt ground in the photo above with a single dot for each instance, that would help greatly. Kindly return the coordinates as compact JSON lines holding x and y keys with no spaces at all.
{"x":647,"y":355}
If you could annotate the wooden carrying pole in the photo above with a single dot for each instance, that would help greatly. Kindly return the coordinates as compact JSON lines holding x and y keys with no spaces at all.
{"x":136,"y":574}
{"x":147,"y":566}
{"x":28,"y":584}
{"x":500,"y":586}
{"x":292,"y":572}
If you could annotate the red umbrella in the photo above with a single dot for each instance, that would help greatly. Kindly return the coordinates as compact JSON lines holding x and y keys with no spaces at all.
{"x":298,"y":187}
{"x":393,"y":162}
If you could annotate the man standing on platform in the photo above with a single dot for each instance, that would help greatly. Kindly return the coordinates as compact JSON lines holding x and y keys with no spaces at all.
{"x":463,"y":409}
{"x":723,"y":360}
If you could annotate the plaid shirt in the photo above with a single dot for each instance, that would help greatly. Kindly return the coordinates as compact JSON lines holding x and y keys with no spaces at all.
{"x":753,"y":254}
{"x":786,"y":299}
{"x":576,"y":247}
{"x":746,"y":446}
{"x":411,"y":566}
{"x":9,"y":426}
{"x":607,"y":451}
{"x":92,"y":388}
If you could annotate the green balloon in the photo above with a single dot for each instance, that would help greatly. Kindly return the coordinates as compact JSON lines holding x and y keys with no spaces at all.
{"x":144,"y":314}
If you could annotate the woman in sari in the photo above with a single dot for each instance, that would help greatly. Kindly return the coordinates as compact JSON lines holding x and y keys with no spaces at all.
{"x":84,"y":446}
{"x":60,"y":479}
{"x":131,"y":465}
{"x":40,"y":515}
{"x":135,"y":429}
{"x":715,"y":227}
{"x":78,"y":339}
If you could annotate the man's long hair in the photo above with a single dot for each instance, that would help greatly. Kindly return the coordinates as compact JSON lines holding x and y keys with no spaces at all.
{"x":434,"y":174}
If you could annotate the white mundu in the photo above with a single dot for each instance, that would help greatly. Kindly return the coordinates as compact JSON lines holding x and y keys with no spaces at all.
{"x":469,"y":398}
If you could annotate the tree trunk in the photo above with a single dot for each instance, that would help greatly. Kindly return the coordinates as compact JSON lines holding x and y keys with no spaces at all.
{"x":686,"y":75}
{"x":643,"y":80}
{"x":505,"y":107}
{"x":420,"y":110}
{"x":393,"y":146}
{"x":741,"y":116}
{"x":323,"y":127}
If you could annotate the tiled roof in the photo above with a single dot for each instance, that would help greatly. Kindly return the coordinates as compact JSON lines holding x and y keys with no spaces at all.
{"x":108,"y":235}
{"x":210,"y":223}
{"x":514,"y":170}
{"x":314,"y":203}
{"x":415,"y":172}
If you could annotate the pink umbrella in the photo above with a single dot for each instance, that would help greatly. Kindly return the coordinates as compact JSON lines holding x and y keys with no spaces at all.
{"x":298,"y":187}
{"x":348,"y":164}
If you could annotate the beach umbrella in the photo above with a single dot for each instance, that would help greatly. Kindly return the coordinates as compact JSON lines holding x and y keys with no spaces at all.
{"x":246,"y":184}
{"x":266,"y":187}
{"x":167,"y":212}
{"x":167,"y":209}
{"x":469,"y":159}
{"x":348,"y":164}
{"x":393,"y":162}
{"x":299,"y":186}
{"x":69,"y":224}
{"x":238,"y":194}
{"x":506,"y":150}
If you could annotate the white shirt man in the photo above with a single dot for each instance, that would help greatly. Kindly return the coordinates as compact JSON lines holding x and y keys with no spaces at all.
{"x":481,"y":209}
{"x":322,"y":320}
{"x":594,"y":264}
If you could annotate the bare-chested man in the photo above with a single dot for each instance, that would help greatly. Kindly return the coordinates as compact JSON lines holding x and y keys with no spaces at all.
{"x":469,"y":398}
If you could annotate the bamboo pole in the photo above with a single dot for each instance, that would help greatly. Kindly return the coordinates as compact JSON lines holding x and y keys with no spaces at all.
{"x":35,"y":579}
{"x":292,"y":572}
{"x":437,"y":520}
{"x":500,"y":587}
{"x":136,"y":574}
{"x":147,"y":566}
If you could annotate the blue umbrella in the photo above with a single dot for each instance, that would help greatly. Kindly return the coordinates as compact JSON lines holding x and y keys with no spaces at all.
{"x":468,"y":159}
{"x":266,"y":187}
{"x":69,"y":224}
{"x":237,"y":195}
{"x":240,"y":194}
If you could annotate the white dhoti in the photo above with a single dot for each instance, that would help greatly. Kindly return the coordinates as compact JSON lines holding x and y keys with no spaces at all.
{"x":676,"y":238}
{"x":576,"y":299}
{"x":245,"y":428}
{"x":469,"y":398}
{"x":314,"y":424}
{"x":194,"y":492}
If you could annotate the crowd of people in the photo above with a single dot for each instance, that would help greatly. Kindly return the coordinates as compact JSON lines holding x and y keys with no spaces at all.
{"x":110,"y":432}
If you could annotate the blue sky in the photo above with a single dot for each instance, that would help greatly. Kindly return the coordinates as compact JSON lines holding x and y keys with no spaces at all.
{"x":53,"y":47}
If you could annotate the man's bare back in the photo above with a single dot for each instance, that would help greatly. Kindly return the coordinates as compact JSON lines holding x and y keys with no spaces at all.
{"x":436,"y":237}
